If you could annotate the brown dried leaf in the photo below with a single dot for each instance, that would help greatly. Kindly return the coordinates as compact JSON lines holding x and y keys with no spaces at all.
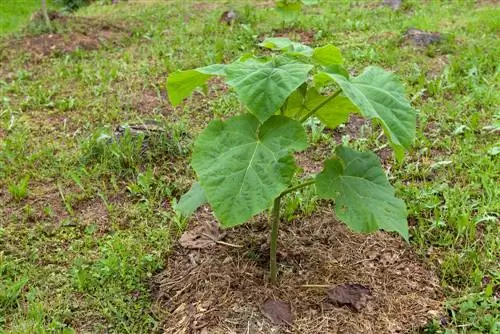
{"x":202,"y":236}
{"x":278,"y":311}
{"x":353,"y":296}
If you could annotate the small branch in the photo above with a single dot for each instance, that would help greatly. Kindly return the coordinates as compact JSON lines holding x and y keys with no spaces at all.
{"x":319,"y":106}
{"x":221,"y":242}
{"x":299,"y":186}
{"x":320,"y":286}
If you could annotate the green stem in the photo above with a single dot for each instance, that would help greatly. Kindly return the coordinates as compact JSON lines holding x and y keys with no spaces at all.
{"x":275,"y":217}
{"x":298,"y":186}
{"x":319,"y":106}
{"x":275,"y":220}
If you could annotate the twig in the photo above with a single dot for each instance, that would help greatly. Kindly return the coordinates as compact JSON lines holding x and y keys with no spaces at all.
{"x":220,"y":242}
{"x":321,"y":286}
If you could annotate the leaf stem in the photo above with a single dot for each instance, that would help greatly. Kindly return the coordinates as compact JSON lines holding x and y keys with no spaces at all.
{"x":319,"y":106}
{"x":298,"y":186}
{"x":275,"y":219}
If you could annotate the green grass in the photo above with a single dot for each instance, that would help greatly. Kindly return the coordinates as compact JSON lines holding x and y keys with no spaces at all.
{"x":86,"y":220}
{"x":17,"y":13}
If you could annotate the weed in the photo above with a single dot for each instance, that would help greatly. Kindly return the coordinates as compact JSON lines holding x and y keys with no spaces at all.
{"x":19,"y":190}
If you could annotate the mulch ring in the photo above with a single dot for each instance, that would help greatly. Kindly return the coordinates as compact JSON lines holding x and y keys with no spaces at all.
{"x":223,"y":286}
{"x":86,"y":33}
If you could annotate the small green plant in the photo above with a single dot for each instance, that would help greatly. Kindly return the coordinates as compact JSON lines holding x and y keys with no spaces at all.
{"x":19,"y":190}
{"x":292,"y":7}
{"x":245,"y":164}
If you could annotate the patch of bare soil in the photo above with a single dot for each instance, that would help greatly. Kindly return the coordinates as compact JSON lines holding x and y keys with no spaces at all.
{"x":352,"y":128}
{"x":421,"y":38}
{"x":296,"y":35}
{"x":44,"y":200}
{"x":436,"y":66}
{"x":204,"y":6}
{"x":86,"y":33}
{"x":311,"y":160}
{"x":331,"y":281}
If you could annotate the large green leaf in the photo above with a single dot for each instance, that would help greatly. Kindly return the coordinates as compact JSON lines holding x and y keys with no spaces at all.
{"x":288,"y":46}
{"x":181,"y":84}
{"x":332,"y":114}
{"x":288,"y":7}
{"x":264,"y":86}
{"x":191,"y":200}
{"x":364,"y":199}
{"x":243,"y":165}
{"x":381,"y":97}
{"x":328,"y":55}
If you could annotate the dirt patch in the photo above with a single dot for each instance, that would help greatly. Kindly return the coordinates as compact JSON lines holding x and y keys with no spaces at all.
{"x":85,"y":33}
{"x":307,"y":163}
{"x":296,"y":35}
{"x":44,"y":201}
{"x":422,"y":38}
{"x":436,"y":66}
{"x":93,"y":212}
{"x":148,"y":102}
{"x":223,"y":289}
{"x":352,"y":128}
{"x":205,"y":6}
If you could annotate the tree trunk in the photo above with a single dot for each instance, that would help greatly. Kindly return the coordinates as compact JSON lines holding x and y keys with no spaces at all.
{"x":46,"y":14}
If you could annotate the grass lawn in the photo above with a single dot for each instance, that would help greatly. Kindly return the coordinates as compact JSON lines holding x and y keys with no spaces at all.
{"x":85,"y":221}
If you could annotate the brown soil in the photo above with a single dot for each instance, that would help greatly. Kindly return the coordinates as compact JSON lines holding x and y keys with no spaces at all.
{"x":436,"y":66}
{"x":86,"y":33}
{"x":352,"y":128}
{"x":223,"y":288}
{"x":39,"y":197}
{"x":204,"y":6}
{"x":296,"y":35}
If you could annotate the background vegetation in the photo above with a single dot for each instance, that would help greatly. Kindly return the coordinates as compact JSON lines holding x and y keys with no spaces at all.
{"x":86,"y":220}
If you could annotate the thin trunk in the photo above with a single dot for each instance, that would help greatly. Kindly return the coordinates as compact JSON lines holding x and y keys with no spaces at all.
{"x":275,"y":219}
{"x":46,"y":14}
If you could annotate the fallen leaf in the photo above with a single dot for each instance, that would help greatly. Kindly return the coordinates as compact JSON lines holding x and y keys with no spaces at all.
{"x":353,"y":296}
{"x":202,"y":236}
{"x":278,"y":311}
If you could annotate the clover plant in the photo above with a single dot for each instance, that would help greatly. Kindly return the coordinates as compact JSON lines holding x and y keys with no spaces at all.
{"x":245,"y":164}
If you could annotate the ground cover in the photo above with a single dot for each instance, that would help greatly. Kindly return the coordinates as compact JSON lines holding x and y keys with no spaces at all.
{"x":86,"y":224}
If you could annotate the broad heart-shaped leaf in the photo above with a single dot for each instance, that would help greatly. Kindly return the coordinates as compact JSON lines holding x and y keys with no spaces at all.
{"x":264,"y":86}
{"x":381,"y":97}
{"x":182,"y":83}
{"x":191,"y":200}
{"x":328,"y":55}
{"x":244,"y":165}
{"x":332,"y":114}
{"x":364,"y":199}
